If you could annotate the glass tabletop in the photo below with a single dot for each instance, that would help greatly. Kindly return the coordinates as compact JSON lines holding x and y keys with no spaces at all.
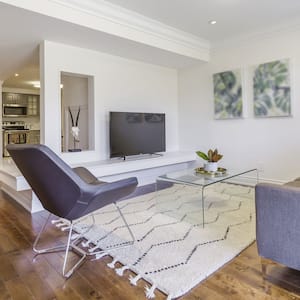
{"x":190,"y":176}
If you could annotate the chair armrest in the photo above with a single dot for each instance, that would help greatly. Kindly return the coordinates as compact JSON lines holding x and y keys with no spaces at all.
{"x":117,"y":189}
{"x":278,"y":223}
{"x":86,"y":175}
{"x":95,"y":196}
{"x":110,"y":192}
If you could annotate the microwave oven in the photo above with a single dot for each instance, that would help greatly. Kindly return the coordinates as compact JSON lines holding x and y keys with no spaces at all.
{"x":14,"y":110}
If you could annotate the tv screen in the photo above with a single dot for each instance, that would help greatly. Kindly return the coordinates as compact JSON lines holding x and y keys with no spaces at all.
{"x":134,"y":133}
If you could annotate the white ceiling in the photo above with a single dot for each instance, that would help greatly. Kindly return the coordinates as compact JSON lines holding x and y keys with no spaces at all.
{"x":22,"y":30}
{"x":234,"y":17}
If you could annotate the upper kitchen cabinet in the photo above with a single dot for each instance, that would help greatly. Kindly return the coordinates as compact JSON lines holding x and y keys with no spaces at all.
{"x":33,"y":105}
{"x":17,"y":104}
{"x":14,"y":98}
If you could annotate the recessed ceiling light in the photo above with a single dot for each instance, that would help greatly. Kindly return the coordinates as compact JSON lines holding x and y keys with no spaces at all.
{"x":16,"y":74}
{"x":212,"y":22}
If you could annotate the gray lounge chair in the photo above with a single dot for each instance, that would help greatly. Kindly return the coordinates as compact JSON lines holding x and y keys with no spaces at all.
{"x":67,"y":193}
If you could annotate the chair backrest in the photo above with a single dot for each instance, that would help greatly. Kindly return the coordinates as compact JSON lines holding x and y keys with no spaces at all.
{"x":53,"y":181}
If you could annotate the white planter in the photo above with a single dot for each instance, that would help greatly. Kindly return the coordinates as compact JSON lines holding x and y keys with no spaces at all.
{"x":211,"y":166}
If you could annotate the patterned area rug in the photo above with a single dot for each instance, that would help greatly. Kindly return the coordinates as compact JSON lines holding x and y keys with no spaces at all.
{"x":173,"y":252}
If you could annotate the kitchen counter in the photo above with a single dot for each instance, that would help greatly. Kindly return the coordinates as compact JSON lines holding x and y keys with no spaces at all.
{"x":20,"y":130}
{"x":19,"y":136}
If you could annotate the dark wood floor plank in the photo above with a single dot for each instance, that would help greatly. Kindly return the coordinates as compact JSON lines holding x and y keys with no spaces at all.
{"x":7,"y":271}
{"x":18,"y":290}
{"x":38,"y":287}
{"x":84,"y":288}
{"x":4,"y":293}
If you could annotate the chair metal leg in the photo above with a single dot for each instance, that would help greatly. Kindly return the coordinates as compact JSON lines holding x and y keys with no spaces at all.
{"x":129,"y":243}
{"x":69,"y":246}
{"x":72,"y":245}
{"x":83,"y":253}
{"x":125,"y":222}
{"x":45,"y":250}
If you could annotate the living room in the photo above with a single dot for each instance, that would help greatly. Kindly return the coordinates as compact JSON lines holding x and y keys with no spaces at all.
{"x":185,"y":95}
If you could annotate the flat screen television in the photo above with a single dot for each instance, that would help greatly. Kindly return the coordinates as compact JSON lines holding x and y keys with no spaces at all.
{"x":134,"y":133}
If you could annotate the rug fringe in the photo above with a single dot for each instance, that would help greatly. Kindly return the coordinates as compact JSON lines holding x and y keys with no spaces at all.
{"x":65,"y":228}
{"x":120,"y":271}
{"x":94,"y":248}
{"x":60,"y":224}
{"x":149,"y":292}
{"x":56,"y":221}
{"x":134,"y":279}
{"x":86,"y":244}
{"x":112,"y":264}
{"x":100,"y":255}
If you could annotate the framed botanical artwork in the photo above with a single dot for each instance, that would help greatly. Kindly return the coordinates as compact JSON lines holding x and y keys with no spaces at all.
{"x":228,"y":102}
{"x":271,"y":89}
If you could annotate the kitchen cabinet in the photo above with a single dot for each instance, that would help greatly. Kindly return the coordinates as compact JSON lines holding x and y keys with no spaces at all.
{"x":16,"y":132}
{"x":14,"y":98}
{"x":33,"y":137}
{"x":30,"y":101}
{"x":32,"y":105}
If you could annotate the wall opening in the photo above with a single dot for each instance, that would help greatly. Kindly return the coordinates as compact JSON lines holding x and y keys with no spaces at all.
{"x":77,"y":107}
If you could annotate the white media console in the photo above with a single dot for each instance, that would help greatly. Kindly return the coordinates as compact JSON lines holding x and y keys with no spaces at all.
{"x":145,"y":168}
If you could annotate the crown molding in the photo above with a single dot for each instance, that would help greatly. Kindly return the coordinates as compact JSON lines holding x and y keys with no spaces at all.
{"x":249,"y":38}
{"x":115,"y":20}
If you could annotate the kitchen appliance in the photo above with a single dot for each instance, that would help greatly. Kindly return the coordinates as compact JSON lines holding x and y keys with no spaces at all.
{"x":14,"y":132}
{"x":14,"y":110}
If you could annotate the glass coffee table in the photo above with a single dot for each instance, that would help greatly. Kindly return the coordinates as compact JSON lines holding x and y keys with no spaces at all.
{"x":191,"y":186}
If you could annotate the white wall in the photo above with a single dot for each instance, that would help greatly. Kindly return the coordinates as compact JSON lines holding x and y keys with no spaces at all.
{"x":119,"y":85}
{"x":272,"y":144}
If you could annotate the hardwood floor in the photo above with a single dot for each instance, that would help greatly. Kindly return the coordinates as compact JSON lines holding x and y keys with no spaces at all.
{"x":23,"y":276}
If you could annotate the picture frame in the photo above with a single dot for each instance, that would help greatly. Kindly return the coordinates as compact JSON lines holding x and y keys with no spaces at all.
{"x":272,"y":89}
{"x":228,"y":102}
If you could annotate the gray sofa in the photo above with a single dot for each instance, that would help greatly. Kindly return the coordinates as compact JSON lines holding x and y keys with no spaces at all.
{"x":278,"y":222}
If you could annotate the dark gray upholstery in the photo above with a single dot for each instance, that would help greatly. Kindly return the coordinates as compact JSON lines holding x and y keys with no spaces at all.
{"x":278,"y":222}
{"x":63,"y":191}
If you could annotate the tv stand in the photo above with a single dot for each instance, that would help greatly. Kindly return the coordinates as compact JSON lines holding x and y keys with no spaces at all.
{"x":141,"y":156}
{"x":142,"y":167}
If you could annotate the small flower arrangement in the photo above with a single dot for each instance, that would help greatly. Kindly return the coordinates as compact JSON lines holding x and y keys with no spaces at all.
{"x":211,"y":156}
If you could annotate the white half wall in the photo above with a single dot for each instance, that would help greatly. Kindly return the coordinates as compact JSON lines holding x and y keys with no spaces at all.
{"x":270,"y":144}
{"x":119,"y":85}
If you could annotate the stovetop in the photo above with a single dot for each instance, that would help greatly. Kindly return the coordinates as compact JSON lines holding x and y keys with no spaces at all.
{"x":14,"y":125}
{"x":14,"y":128}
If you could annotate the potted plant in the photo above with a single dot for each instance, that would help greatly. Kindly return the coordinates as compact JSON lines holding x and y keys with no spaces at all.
{"x":212,"y":157}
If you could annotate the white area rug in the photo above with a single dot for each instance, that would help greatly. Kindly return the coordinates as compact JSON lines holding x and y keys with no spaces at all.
{"x":173,"y":252}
